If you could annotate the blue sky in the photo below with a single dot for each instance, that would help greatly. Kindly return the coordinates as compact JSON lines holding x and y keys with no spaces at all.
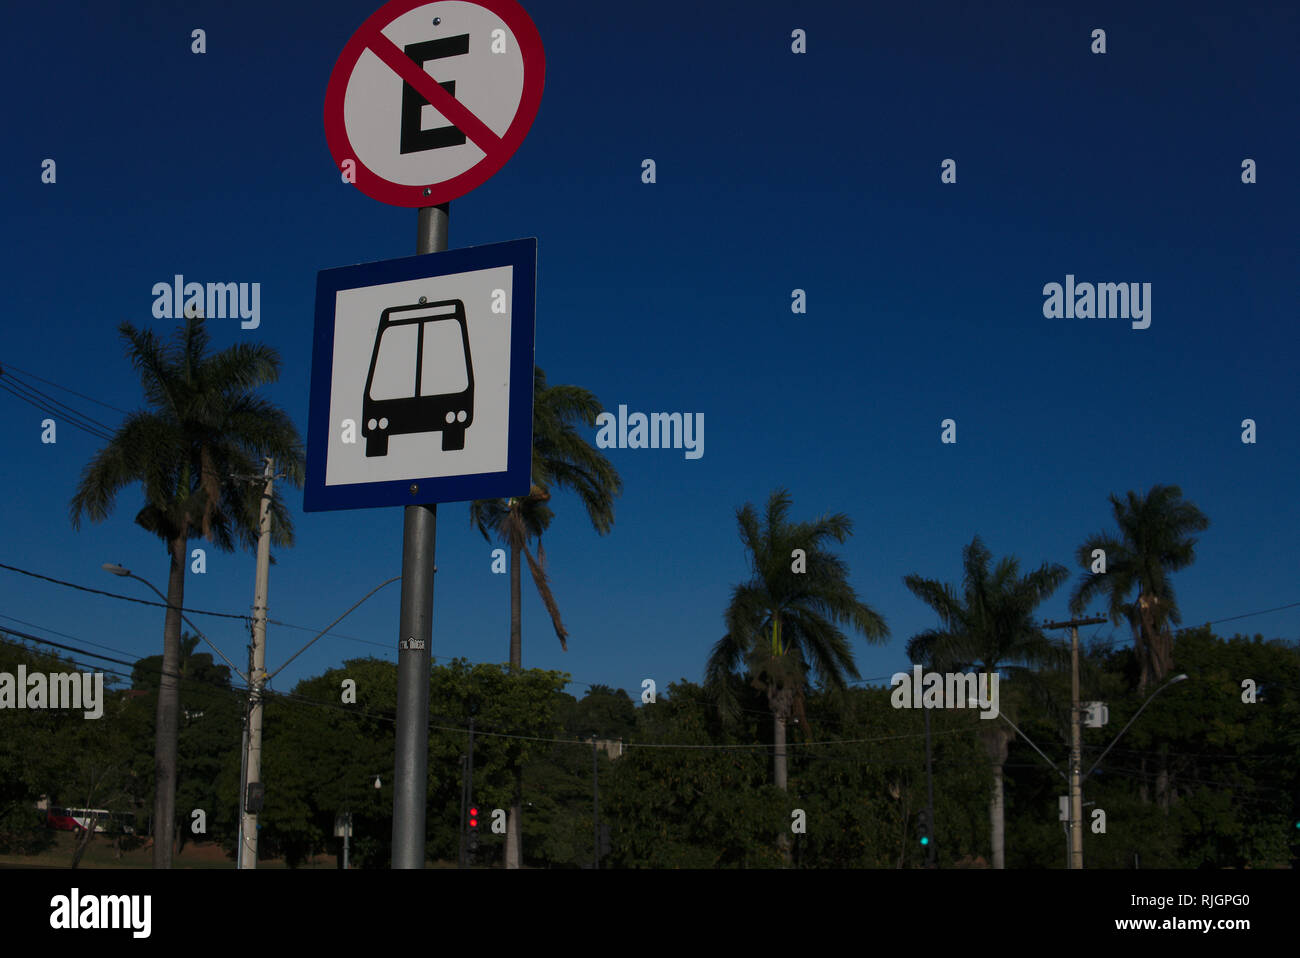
{"x":775,"y":171}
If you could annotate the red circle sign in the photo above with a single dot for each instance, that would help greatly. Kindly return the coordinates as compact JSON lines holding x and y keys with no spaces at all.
{"x":381,"y":97}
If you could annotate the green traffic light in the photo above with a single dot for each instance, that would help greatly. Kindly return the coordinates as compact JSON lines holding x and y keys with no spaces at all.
{"x":926,"y":841}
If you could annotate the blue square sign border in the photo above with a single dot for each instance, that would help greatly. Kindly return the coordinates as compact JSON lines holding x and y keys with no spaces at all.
{"x":515,"y":480}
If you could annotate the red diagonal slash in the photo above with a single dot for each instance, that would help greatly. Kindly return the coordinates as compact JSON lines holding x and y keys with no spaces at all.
{"x":442,"y":101}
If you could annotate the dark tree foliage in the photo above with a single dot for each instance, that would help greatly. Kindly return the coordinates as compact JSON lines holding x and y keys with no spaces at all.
{"x":857,"y":770}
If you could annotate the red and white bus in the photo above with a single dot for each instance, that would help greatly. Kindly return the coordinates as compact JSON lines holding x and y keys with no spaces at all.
{"x":79,"y":819}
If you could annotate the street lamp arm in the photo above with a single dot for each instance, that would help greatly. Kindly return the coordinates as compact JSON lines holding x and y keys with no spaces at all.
{"x":1035,"y":747}
{"x":184,"y":618}
{"x":331,"y":625}
{"x":1176,"y":679}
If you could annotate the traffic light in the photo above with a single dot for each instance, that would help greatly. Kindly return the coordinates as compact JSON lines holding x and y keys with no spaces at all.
{"x":923,"y":827}
{"x":473,"y":833}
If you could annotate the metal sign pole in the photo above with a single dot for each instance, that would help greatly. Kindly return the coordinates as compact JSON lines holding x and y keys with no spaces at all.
{"x":411,"y":785}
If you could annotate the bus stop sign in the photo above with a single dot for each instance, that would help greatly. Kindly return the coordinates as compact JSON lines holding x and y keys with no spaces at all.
{"x":422,"y":379}
{"x":429,"y":99}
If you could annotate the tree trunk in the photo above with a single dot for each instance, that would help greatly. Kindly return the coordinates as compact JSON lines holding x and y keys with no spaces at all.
{"x":1156,"y":657}
{"x":780,"y":701}
{"x":516,"y":612}
{"x":514,"y":847}
{"x":84,"y":839}
{"x":167,"y":724}
{"x":779,"y":760}
{"x":997,"y":826}
{"x":996,"y":740}
{"x":779,"y":774}
{"x":1162,"y":779}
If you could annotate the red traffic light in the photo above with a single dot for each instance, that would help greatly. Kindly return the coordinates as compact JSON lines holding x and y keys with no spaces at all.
{"x":473,"y":818}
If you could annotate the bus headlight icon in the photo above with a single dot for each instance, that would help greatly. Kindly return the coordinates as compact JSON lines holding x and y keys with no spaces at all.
{"x":421,"y":376}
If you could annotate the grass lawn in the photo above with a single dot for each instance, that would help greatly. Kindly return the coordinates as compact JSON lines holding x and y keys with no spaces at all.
{"x":101,"y":854}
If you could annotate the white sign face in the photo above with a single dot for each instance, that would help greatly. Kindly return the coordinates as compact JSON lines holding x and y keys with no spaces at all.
{"x":489,"y":84}
{"x":429,"y":100}
{"x":422,"y":368}
{"x":422,"y":379}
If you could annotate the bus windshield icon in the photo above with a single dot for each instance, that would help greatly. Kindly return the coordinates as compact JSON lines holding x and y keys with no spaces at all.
{"x":421,"y":376}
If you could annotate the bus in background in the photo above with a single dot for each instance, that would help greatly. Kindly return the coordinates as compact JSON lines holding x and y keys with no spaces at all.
{"x":79,"y":819}
{"x":421,"y":376}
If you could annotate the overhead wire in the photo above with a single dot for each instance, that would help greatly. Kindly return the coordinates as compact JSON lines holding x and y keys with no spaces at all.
{"x":117,"y":595}
{"x":68,"y":410}
{"x":4,"y":366}
{"x":8,"y":385}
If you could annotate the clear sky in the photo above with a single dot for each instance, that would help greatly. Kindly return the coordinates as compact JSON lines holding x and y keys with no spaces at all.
{"x":775,"y":171}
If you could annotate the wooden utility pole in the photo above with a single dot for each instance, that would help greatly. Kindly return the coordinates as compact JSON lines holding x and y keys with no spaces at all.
{"x":257,"y":675}
{"x":1076,"y":743}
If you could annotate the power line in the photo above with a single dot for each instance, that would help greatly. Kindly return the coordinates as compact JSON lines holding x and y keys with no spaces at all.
{"x":333,"y":635}
{"x":1231,"y":618}
{"x":1245,"y":615}
{"x":115,"y":595}
{"x":70,"y":418}
{"x":64,"y":388}
{"x":29,"y":388}
{"x":59,"y":645}
{"x":63,"y":634}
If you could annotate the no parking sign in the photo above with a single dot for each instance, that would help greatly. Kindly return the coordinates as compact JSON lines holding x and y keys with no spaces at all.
{"x":429,"y":99}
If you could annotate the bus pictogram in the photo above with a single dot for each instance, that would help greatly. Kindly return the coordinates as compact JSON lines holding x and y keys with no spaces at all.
{"x":421,"y":376}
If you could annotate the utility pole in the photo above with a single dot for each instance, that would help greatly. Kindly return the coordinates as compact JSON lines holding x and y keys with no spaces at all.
{"x":1076,"y":743}
{"x":257,"y":671}
{"x":411,"y":788}
{"x":243,"y":783}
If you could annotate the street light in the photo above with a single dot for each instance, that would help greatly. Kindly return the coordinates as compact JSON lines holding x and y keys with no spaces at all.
{"x":126,"y":573}
{"x":252,"y":691}
{"x":1174,"y":681}
{"x":975,"y":703}
{"x":118,"y":570}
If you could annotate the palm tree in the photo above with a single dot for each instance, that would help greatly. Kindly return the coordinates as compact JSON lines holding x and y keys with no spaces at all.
{"x":562,"y":459}
{"x":989,"y":627}
{"x":1154,"y":540}
{"x":784,"y":623}
{"x":516,"y":522}
{"x":193,"y":449}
